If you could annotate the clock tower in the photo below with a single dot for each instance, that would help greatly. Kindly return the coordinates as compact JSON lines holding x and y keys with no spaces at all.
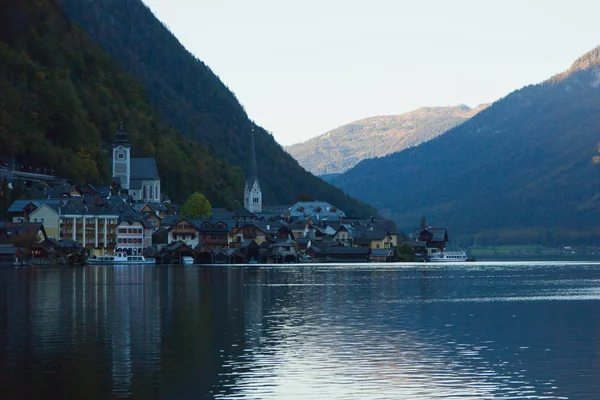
{"x":252,"y":192}
{"x":121,"y":157}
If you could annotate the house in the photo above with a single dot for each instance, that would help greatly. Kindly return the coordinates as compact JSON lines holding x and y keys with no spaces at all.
{"x":153,"y":219}
{"x":436,"y":238}
{"x":185,"y":231}
{"x":22,"y":234}
{"x":215,"y":233}
{"x":246,"y":232}
{"x":219,"y":256}
{"x":133,"y":236}
{"x":284,"y":252}
{"x":9,"y":253}
{"x":49,"y":217}
{"x":157,"y":209}
{"x":174,"y":253}
{"x":315,"y":253}
{"x":344,"y":235}
{"x":20,"y":210}
{"x":383,"y":255}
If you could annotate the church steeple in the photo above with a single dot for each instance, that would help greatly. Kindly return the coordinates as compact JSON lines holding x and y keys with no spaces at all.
{"x":121,"y":137}
{"x":252,"y":192}
{"x":121,"y":160}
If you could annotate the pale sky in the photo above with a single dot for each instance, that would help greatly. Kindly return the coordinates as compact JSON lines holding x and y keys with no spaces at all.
{"x":303,"y":68}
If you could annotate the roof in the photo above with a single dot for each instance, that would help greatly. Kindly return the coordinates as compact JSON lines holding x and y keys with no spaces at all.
{"x":121,"y":137}
{"x":438,"y":234}
{"x":143,"y":169}
{"x":382,"y":252}
{"x":243,"y":213}
{"x":18,"y":206}
{"x":7,"y":249}
{"x":317,"y":209}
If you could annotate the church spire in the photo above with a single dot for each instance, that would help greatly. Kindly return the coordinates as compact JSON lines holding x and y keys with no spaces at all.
{"x":121,"y":137}
{"x":252,"y":192}
{"x":252,"y":173}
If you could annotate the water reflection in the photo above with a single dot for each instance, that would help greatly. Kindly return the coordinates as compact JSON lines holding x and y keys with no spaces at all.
{"x":408,"y":332}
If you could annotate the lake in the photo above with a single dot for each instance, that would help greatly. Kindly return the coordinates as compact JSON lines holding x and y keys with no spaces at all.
{"x":476,"y":331}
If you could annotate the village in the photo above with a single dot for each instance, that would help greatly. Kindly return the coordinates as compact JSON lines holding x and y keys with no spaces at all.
{"x":68,"y":224}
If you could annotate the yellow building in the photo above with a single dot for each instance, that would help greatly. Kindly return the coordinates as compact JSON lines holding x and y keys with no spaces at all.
{"x":49,"y":218}
{"x":92,"y":227}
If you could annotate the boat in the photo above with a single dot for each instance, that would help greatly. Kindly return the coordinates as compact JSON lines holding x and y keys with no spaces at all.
{"x":187,"y":260}
{"x":448,"y":256}
{"x":121,"y":258}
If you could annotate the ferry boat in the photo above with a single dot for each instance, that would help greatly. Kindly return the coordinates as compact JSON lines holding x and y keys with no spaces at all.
{"x":121,"y":258}
{"x":448,"y":256}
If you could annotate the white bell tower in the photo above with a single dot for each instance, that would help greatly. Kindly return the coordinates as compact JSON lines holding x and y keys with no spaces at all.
{"x":121,"y":158}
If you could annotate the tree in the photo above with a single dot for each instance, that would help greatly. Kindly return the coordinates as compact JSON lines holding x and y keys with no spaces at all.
{"x":405,"y":253}
{"x":196,"y":206}
{"x":304,"y":197}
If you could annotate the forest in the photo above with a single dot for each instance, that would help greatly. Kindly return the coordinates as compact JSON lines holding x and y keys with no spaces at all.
{"x":62,"y":97}
{"x":192,"y":98}
{"x":524,"y":170}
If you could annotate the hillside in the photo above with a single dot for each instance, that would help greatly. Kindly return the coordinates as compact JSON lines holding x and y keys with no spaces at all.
{"x":61,"y":99}
{"x":342,"y":148}
{"x":193,"y":99}
{"x":523,"y":170}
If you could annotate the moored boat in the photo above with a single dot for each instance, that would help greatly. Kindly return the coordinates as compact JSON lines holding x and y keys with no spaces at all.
{"x":448,"y":256}
{"x":121,"y":258}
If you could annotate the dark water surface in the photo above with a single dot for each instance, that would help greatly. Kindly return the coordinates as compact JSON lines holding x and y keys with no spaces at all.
{"x":480,"y":331}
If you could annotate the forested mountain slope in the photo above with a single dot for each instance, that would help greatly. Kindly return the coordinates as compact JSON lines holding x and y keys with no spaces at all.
{"x":526,"y":168}
{"x":342,"y":148}
{"x":61,"y":99}
{"x":193,"y":99}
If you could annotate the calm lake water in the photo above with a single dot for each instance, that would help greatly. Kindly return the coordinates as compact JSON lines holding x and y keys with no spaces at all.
{"x":480,"y":331}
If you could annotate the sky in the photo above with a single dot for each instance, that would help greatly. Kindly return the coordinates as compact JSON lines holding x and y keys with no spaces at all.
{"x":303,"y":68}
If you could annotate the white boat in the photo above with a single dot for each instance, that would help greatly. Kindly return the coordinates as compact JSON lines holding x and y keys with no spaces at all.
{"x":121,"y":258}
{"x":448,"y":256}
{"x":187,"y":260}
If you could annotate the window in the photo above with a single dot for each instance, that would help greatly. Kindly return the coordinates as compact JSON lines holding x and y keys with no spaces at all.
{"x":121,"y":156}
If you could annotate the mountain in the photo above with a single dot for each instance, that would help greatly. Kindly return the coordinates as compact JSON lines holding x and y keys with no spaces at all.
{"x":342,"y":148}
{"x":193,"y":99}
{"x":61,"y":99}
{"x":525,"y":169}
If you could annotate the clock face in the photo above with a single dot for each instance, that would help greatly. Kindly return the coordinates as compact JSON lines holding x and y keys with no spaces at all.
{"x":120,"y":147}
{"x":255,"y":190}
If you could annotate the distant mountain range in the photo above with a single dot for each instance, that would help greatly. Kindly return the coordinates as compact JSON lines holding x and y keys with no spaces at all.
{"x":342,"y":148}
{"x":525,"y":169}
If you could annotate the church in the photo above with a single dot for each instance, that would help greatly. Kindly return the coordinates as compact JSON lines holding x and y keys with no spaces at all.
{"x":137,"y":176}
{"x":252,"y":192}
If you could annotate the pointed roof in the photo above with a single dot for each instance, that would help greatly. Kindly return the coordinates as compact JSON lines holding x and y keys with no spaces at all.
{"x":252,"y":174}
{"x":121,"y":137}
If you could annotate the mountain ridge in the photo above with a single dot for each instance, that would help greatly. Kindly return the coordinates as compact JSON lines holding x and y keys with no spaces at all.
{"x":527,"y":163}
{"x":341,"y":148}
{"x":192,"y":98}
